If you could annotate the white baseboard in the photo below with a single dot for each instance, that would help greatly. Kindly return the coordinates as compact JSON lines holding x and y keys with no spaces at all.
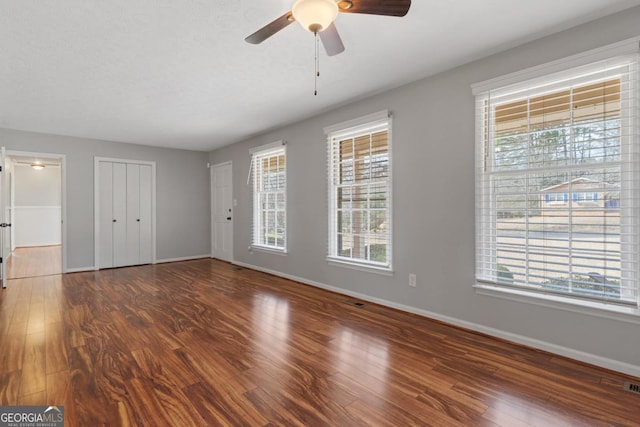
{"x":158,"y":261}
{"x":80,"y":269}
{"x":36,"y":245}
{"x":186,"y":258}
{"x":581,"y":356}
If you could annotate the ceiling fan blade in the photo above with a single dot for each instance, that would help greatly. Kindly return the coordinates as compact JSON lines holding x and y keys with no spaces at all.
{"x":270,"y":29}
{"x":375,"y":7}
{"x":331,"y":40}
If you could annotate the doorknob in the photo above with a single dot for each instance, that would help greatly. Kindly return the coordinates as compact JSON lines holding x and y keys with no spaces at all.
{"x":229,"y":218}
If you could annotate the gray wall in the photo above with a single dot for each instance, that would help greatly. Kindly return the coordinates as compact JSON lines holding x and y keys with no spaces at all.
{"x":182,"y":202}
{"x":433,"y":184}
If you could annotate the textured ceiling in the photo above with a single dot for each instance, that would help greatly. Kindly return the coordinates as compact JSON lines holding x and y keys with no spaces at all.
{"x":178,"y":73}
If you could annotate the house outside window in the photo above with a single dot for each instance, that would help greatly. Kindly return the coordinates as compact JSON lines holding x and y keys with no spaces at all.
{"x":585,"y":192}
{"x":557,"y":176}
{"x":269,"y":173}
{"x":360,"y":192}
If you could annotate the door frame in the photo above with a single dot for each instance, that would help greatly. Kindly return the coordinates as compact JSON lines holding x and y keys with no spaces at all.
{"x":96,"y":204}
{"x":212,"y":207}
{"x":63,"y":196}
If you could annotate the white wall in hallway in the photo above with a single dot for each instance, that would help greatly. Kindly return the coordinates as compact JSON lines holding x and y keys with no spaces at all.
{"x":37,"y":206}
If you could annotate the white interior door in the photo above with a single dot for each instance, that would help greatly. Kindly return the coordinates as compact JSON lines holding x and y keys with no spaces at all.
{"x":133,"y":214}
{"x":119,"y":214}
{"x":222,"y":214}
{"x":105,"y":226}
{"x":9,"y":245}
{"x":5,"y":248}
{"x":146,"y":256}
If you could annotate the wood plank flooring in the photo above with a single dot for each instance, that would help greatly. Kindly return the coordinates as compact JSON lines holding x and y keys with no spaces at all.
{"x":35,"y":261}
{"x":204,"y":343}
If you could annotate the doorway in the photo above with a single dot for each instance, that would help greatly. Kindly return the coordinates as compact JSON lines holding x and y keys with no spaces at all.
{"x":34,"y":211}
{"x":221,"y":212}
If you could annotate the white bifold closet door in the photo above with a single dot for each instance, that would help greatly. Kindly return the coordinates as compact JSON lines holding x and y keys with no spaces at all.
{"x":119,"y":214}
{"x":125,"y":214}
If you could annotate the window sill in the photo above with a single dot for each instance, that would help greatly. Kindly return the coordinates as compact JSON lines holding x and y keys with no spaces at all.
{"x":608,"y":311}
{"x":336,"y":262}
{"x":282,"y":252}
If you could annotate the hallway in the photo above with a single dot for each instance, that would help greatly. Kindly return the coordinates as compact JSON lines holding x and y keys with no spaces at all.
{"x":34,"y":262}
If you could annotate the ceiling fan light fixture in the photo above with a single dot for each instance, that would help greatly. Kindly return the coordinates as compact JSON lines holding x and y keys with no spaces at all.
{"x":315,"y":15}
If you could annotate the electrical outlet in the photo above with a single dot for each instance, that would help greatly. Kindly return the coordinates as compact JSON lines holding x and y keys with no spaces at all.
{"x":412,"y":280}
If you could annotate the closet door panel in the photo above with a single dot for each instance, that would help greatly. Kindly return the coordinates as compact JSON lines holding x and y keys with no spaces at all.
{"x":133,"y":214}
{"x":105,"y":221}
{"x":145,"y":215}
{"x":119,"y":214}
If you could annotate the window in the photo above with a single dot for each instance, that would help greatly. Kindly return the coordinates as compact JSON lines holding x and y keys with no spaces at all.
{"x":360,"y":191}
{"x":557,"y":197}
{"x":269,"y":197}
{"x":557,"y":184}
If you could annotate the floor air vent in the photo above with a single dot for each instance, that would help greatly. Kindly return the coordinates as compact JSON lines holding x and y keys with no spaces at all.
{"x":632,"y":387}
{"x":355,"y":303}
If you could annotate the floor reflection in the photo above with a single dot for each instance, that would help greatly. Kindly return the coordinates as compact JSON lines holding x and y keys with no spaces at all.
{"x":270,"y":316}
{"x":513,"y":409}
{"x":359,"y":353}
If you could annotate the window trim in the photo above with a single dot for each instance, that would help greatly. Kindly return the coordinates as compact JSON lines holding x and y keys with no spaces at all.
{"x":509,"y":86}
{"x":344,"y":129}
{"x":609,"y":311}
{"x":262,"y":150}
{"x":624,"y":47}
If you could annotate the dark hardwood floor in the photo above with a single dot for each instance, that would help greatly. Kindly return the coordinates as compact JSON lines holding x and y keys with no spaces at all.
{"x":206,"y":343}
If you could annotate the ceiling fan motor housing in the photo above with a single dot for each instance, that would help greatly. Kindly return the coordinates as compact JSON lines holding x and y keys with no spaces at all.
{"x":315,"y":15}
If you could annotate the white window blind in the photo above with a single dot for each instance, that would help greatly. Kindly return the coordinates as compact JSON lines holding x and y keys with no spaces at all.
{"x":557,"y":183}
{"x":359,"y":169}
{"x":268,"y":170}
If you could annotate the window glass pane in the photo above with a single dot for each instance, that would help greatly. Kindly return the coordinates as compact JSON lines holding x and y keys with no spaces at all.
{"x":510,"y":152}
{"x":378,"y":222}
{"x":377,"y":252}
{"x":280,"y":202}
{"x":270,"y":228}
{"x":344,"y":221}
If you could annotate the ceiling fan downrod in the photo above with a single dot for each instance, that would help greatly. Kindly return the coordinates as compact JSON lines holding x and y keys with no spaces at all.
{"x":317,"y":68}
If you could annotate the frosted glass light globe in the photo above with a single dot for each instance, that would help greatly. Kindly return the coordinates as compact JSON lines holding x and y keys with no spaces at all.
{"x":315,"y":15}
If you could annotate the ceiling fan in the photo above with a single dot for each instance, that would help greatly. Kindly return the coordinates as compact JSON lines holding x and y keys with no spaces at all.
{"x":317,"y":16}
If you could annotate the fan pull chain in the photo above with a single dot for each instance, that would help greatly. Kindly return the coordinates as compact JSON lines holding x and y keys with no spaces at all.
{"x":317,"y":70}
